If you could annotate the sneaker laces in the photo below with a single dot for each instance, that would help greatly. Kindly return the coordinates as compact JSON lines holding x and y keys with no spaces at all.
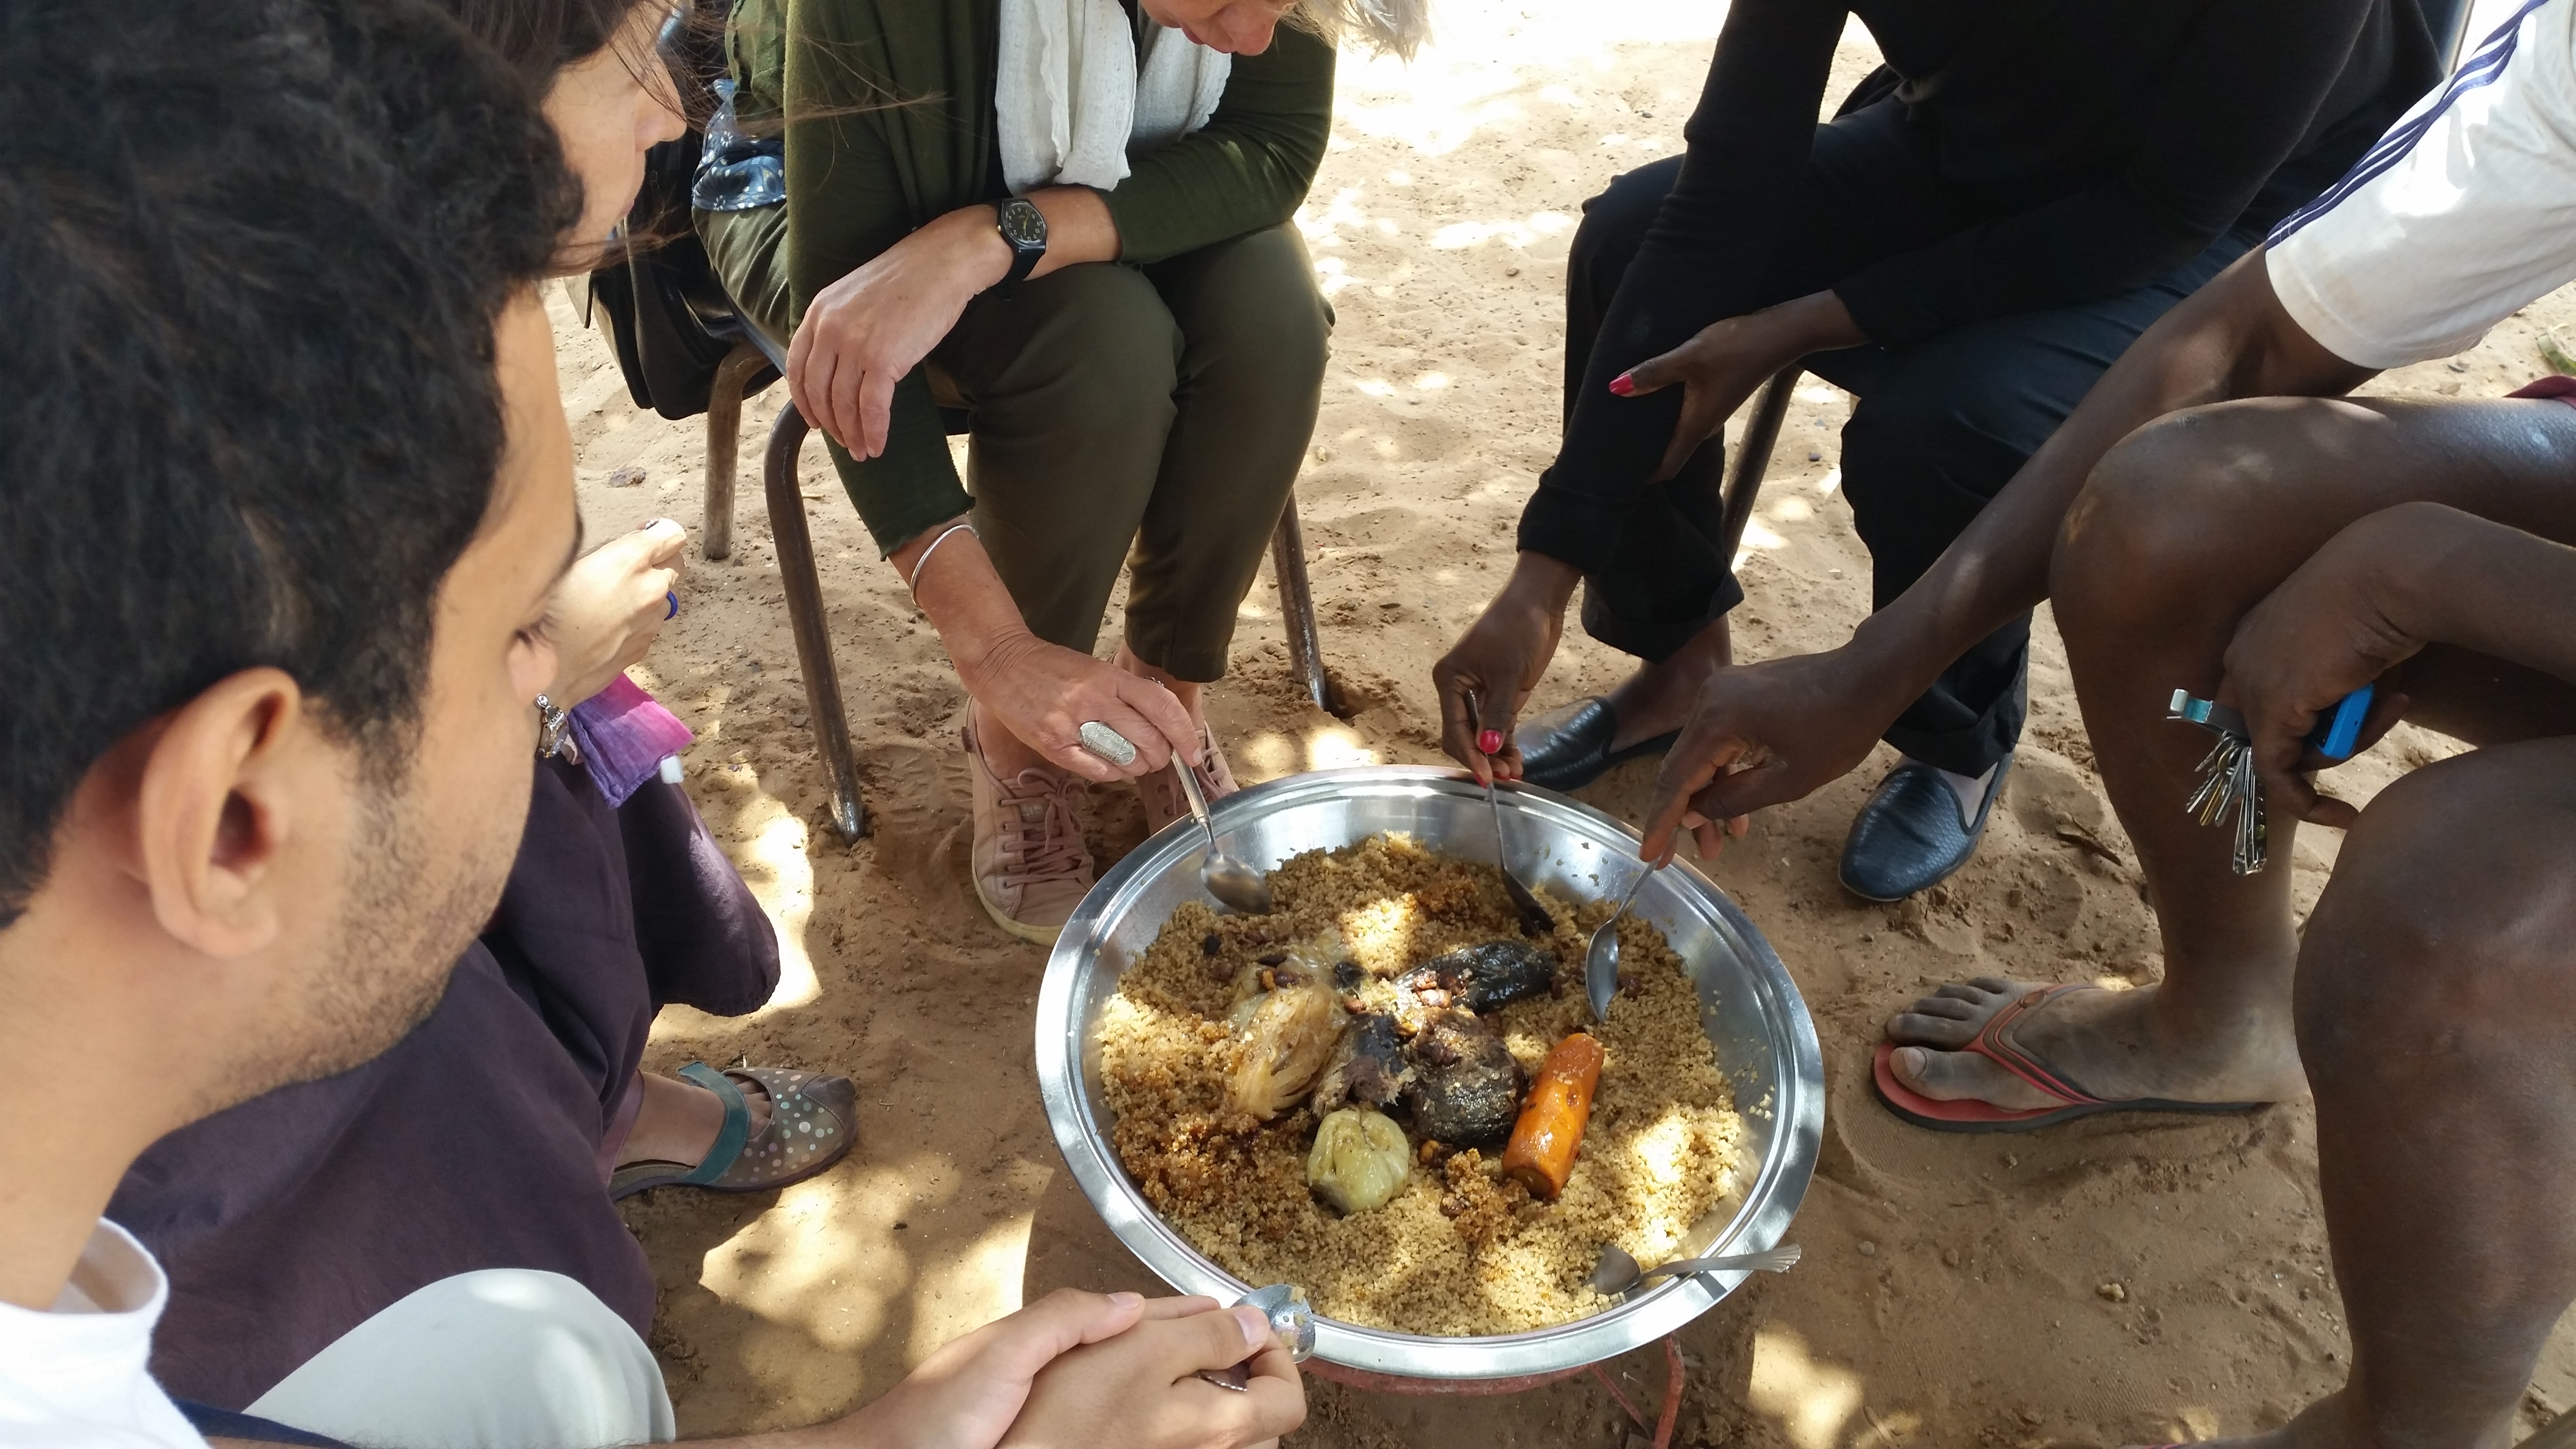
{"x":1041,"y":839}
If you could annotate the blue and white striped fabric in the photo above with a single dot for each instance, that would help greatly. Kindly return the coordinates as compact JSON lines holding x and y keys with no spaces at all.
{"x":2464,"y":212}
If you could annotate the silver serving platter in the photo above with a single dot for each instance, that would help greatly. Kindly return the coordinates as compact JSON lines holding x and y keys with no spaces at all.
{"x":1755,"y":1020}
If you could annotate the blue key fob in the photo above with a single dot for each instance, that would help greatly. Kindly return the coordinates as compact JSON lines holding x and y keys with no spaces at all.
{"x":2337,"y":732}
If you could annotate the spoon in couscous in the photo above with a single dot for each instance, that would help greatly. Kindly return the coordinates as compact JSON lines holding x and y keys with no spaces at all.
{"x":1616,"y":1273}
{"x":1236,"y":886}
{"x":1601,"y":958}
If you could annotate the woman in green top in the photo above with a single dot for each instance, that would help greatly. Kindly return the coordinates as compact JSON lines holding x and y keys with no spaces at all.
{"x":1138,"y":361}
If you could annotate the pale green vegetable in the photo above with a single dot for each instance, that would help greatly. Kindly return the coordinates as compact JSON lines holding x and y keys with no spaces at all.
{"x":1360,"y":1160}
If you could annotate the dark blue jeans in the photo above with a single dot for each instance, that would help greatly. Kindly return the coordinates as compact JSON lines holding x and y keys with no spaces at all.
{"x":1940,"y":425}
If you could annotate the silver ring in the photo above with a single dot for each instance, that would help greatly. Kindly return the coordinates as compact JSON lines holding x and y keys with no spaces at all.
{"x":1107,"y":743}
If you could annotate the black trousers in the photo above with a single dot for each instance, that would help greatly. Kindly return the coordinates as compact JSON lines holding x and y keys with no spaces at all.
{"x":1940,"y":425}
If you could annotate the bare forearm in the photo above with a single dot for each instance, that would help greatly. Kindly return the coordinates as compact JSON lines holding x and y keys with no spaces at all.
{"x":2442,"y":576}
{"x":2229,"y":340}
{"x":954,"y":582}
{"x":1079,"y":229}
{"x":836,"y":1435}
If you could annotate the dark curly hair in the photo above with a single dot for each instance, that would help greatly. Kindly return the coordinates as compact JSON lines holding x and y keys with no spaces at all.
{"x":248,"y":409}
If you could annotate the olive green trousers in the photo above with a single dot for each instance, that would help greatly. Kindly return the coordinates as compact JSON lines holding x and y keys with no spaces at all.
{"x":1152,"y":416}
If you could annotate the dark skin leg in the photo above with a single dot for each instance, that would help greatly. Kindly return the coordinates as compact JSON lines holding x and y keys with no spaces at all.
{"x":2181,"y":530}
{"x":2434,"y":1010}
{"x":1658,"y":697}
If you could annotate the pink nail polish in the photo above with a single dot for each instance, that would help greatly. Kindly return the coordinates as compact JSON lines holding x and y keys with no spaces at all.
{"x":1623,"y":385}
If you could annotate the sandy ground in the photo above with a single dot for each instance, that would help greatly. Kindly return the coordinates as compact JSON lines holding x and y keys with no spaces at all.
{"x":2102,"y":1283}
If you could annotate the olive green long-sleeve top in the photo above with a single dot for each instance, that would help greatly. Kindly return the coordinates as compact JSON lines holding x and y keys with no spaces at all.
{"x":888,"y":110}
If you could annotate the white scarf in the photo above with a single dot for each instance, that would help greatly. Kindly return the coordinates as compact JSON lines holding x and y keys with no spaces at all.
{"x":1073,"y":101}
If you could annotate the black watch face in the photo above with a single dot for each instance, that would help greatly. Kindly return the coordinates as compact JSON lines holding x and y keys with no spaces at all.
{"x":1023,"y":225}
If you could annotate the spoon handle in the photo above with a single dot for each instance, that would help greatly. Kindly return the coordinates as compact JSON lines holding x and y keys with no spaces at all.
{"x":1198,"y":801}
{"x":1777,"y":1260}
{"x":1633,"y":887}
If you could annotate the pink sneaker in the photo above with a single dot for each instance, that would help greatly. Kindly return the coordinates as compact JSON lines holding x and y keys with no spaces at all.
{"x":1031,"y":868}
{"x":1164,"y":802}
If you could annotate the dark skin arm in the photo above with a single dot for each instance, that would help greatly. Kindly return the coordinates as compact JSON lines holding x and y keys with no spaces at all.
{"x":1763,"y":734}
{"x":2376,"y":594}
{"x":1503,"y":654}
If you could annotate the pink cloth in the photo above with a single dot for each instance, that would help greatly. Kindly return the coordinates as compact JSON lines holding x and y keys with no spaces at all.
{"x":2556,"y":385}
{"x":624,"y":735}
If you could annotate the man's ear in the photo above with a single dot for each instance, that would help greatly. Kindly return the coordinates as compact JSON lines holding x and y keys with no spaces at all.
{"x":215,"y":809}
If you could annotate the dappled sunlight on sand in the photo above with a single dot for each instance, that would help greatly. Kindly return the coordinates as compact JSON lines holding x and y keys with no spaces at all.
{"x":833,"y":1259}
{"x":1338,"y":747}
{"x":1810,"y":1398}
{"x":1473,"y":78}
{"x":970,"y":1286}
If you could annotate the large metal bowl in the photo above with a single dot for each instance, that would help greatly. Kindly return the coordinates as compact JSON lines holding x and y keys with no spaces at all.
{"x":1755,"y":1021}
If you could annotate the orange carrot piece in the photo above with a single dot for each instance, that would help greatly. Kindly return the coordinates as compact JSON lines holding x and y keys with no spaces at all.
{"x":1541,"y":1154}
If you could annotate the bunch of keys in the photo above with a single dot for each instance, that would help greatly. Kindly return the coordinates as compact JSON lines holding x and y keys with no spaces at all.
{"x":2227,"y":779}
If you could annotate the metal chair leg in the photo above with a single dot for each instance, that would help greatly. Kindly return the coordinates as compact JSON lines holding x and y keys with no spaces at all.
{"x":1753,"y":455}
{"x":1297,"y":605}
{"x":805,"y":616}
{"x":724,"y":445}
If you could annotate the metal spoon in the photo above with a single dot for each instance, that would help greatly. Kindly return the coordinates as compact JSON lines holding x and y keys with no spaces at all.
{"x":1616,"y":1273}
{"x":1535,"y":919}
{"x":1236,"y":886}
{"x":1291,"y":1321}
{"x":1601,"y":958}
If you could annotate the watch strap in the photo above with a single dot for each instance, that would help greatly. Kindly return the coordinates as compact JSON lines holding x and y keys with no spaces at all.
{"x":1024,"y":258}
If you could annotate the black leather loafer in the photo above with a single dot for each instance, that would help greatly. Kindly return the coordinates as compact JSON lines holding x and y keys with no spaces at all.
{"x":1909,"y":836}
{"x":1568,"y":747}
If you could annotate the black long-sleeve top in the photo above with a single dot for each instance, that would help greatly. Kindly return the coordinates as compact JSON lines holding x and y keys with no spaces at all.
{"x":2111,"y":140}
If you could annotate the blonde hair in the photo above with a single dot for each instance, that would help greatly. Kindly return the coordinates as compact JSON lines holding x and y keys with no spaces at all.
{"x":1389,"y":27}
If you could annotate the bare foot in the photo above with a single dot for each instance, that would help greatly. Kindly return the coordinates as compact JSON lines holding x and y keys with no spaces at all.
{"x":1657,"y":699}
{"x":679,"y":1120}
{"x":2339,"y":1421}
{"x":2109,"y":1043}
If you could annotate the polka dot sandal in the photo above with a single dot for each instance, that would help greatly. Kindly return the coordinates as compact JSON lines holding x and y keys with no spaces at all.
{"x":812,"y":1119}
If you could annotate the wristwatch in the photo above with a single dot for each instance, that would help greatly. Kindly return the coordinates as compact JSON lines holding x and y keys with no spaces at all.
{"x":1024,"y":231}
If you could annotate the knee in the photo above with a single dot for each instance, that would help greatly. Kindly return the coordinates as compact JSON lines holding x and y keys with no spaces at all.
{"x":1615,"y":222}
{"x":1110,"y":348}
{"x":1254,"y":318}
{"x":2146,"y":526}
{"x":2440,"y":948}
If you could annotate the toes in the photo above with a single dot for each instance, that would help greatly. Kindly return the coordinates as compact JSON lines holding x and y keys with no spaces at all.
{"x":1983,"y":990}
{"x":1953,"y":1076}
{"x":1940,"y":1031}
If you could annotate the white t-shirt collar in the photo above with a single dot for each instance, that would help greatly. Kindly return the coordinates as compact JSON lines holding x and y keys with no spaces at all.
{"x":79,"y":1376}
